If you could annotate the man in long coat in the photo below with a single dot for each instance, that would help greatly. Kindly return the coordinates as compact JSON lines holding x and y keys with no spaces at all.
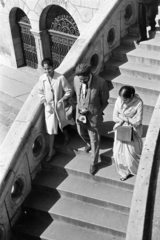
{"x":92,"y":98}
{"x":147,"y":10}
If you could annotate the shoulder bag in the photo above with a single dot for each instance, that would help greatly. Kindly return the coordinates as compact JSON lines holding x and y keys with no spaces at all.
{"x":125,"y":133}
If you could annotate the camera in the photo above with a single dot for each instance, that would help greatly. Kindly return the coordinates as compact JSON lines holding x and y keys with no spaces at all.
{"x":82,"y":118}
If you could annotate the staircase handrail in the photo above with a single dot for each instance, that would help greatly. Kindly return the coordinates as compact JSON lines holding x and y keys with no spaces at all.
{"x":138,"y":226}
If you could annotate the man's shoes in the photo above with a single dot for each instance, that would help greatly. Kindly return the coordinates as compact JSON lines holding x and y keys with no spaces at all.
{"x":87,"y":148}
{"x":141,"y":39}
{"x":92,"y":169}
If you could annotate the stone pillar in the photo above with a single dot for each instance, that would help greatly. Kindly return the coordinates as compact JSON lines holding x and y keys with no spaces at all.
{"x":46,"y":43}
{"x":39,"y":48}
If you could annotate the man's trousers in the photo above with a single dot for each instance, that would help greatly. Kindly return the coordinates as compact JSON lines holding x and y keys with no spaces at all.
{"x":146,"y":12}
{"x":90,"y":136}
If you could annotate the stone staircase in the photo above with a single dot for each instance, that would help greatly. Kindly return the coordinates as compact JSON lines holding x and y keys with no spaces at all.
{"x":67,"y":202}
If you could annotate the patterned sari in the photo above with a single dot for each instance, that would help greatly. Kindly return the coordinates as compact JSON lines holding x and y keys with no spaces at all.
{"x":127,"y":155}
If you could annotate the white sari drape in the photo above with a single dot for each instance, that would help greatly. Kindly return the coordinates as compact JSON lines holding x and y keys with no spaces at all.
{"x":127,"y":155}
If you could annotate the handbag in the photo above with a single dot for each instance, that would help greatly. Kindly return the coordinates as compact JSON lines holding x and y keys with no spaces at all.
{"x":125,"y":133}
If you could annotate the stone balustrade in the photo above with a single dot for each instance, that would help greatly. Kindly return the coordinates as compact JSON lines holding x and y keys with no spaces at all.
{"x":140,"y":225}
{"x":25,"y":144}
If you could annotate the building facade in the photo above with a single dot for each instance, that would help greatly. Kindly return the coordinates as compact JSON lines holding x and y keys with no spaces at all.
{"x":33,"y":29}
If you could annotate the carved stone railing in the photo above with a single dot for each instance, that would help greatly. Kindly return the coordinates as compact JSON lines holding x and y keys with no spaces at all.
{"x":25,"y":144}
{"x":140,"y":225}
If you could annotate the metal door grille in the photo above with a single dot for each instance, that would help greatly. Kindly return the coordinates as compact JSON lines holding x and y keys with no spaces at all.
{"x":63,"y":33}
{"x":28,"y":40}
{"x":60,"y":45}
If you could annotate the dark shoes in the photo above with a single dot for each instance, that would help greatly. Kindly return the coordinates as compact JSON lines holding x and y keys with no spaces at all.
{"x":87,"y":148}
{"x":93,"y":169}
{"x":141,"y":39}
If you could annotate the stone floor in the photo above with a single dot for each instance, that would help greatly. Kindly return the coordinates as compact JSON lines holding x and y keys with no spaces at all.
{"x":15,"y":86}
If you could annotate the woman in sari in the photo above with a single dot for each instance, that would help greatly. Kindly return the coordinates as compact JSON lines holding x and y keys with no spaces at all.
{"x":128,"y":110}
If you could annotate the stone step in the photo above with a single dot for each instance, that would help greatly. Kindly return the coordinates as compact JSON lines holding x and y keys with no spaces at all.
{"x":144,"y":57}
{"x":31,"y":227}
{"x":158,"y":33}
{"x":132,"y":69}
{"x":76,"y":145}
{"x":137,"y":55}
{"x":78,"y":166}
{"x":118,"y":200}
{"x":77,"y":213}
{"x":140,"y":71}
{"x":141,"y":86}
{"x":148,"y":105}
{"x":150,"y":45}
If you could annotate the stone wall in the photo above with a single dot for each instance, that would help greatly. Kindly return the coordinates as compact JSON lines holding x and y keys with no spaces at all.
{"x":82,"y":12}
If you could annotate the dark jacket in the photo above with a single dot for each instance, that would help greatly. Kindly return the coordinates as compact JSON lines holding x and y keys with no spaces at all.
{"x":96,"y":99}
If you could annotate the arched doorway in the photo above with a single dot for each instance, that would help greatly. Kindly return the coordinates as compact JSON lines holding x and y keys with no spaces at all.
{"x":62,"y":31}
{"x":27,"y":39}
{"x":23,"y":39}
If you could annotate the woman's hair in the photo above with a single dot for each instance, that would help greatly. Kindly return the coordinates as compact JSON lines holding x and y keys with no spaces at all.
{"x":47,"y":61}
{"x":126,"y":91}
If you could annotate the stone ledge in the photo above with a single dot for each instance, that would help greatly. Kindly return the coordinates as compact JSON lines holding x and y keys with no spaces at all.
{"x":137,"y":217}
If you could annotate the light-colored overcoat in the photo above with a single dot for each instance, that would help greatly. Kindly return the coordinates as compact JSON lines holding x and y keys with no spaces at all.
{"x":60,"y":87}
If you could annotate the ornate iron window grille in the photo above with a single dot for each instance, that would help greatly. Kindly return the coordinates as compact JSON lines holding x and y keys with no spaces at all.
{"x":63,"y":34}
{"x":28,"y":40}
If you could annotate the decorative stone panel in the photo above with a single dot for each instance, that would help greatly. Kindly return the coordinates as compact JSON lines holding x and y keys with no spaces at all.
{"x":4,"y":223}
{"x":20,"y":187}
{"x":37,"y":149}
{"x":111,"y":36}
{"x":128,"y":12}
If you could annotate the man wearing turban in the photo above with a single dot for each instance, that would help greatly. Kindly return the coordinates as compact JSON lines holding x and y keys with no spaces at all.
{"x":92,"y":98}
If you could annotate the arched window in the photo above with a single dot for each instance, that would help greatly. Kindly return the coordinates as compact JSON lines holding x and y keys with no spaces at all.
{"x":62,"y":31}
{"x":27,"y":39}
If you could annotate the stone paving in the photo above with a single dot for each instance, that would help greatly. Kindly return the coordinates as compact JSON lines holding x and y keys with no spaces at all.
{"x":15,"y":86}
